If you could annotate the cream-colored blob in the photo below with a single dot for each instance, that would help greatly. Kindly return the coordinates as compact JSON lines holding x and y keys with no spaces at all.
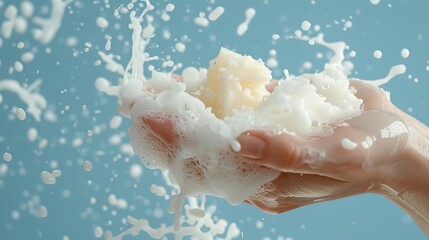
{"x":234,"y":81}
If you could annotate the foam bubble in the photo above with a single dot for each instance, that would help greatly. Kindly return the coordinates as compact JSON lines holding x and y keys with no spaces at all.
{"x":305,"y":25}
{"x":7,"y":157}
{"x":43,"y":211}
{"x":170,"y":7}
{"x":115,"y":122}
{"x":378,"y":54}
{"x":180,"y":47}
{"x":18,"y":66}
{"x":48,"y":178}
{"x":102,"y":22}
{"x":87,"y":165}
{"x":136,"y":171}
{"x":20,"y":114}
{"x":405,"y":53}
{"x":98,"y":232}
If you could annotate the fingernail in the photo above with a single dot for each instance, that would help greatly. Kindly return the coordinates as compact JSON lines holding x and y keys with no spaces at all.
{"x":251,"y":146}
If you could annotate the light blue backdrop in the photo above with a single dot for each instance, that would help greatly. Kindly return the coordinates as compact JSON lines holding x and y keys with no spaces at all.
{"x":68,"y":80}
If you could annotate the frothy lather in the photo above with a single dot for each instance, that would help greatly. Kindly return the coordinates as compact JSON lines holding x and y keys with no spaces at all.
{"x":211,"y":107}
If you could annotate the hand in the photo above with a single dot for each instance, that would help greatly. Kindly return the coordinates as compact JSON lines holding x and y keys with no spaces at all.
{"x":383,"y":151}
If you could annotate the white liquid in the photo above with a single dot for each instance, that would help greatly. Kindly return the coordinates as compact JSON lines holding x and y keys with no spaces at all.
{"x":242,"y":28}
{"x":216,"y":13}
{"x":36,"y":103}
{"x":375,"y":2}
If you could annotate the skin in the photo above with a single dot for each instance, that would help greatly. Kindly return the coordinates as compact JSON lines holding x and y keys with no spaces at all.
{"x":388,"y":155}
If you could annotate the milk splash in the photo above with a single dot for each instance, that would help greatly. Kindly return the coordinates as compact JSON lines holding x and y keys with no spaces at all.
{"x":201,"y":162}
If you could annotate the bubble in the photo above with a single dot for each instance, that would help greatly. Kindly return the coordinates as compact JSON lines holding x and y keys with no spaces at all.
{"x":115,"y":122}
{"x":170,"y":7}
{"x":20,"y":114}
{"x":20,"y":45}
{"x":43,"y":211}
{"x":18,"y":66}
{"x":378,"y":54}
{"x":48,"y":178}
{"x":7,"y":157}
{"x":136,"y":171}
{"x":87,"y":165}
{"x":405,"y":53}
{"x":305,"y":25}
{"x":180,"y":47}
{"x":98,"y":232}
{"x":102,"y":22}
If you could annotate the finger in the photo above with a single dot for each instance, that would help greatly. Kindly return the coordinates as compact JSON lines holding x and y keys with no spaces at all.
{"x":271,"y":207}
{"x":337,"y":155}
{"x":372,"y":96}
{"x":290,"y":191}
{"x":163,"y":129}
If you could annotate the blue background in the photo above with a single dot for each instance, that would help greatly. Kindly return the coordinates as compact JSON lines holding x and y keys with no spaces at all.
{"x":69,"y":80}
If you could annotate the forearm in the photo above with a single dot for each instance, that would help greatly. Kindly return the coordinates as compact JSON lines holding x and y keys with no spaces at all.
{"x":409,"y":179}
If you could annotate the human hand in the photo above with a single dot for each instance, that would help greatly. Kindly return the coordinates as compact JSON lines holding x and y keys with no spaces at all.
{"x":352,"y":159}
{"x":383,"y":150}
